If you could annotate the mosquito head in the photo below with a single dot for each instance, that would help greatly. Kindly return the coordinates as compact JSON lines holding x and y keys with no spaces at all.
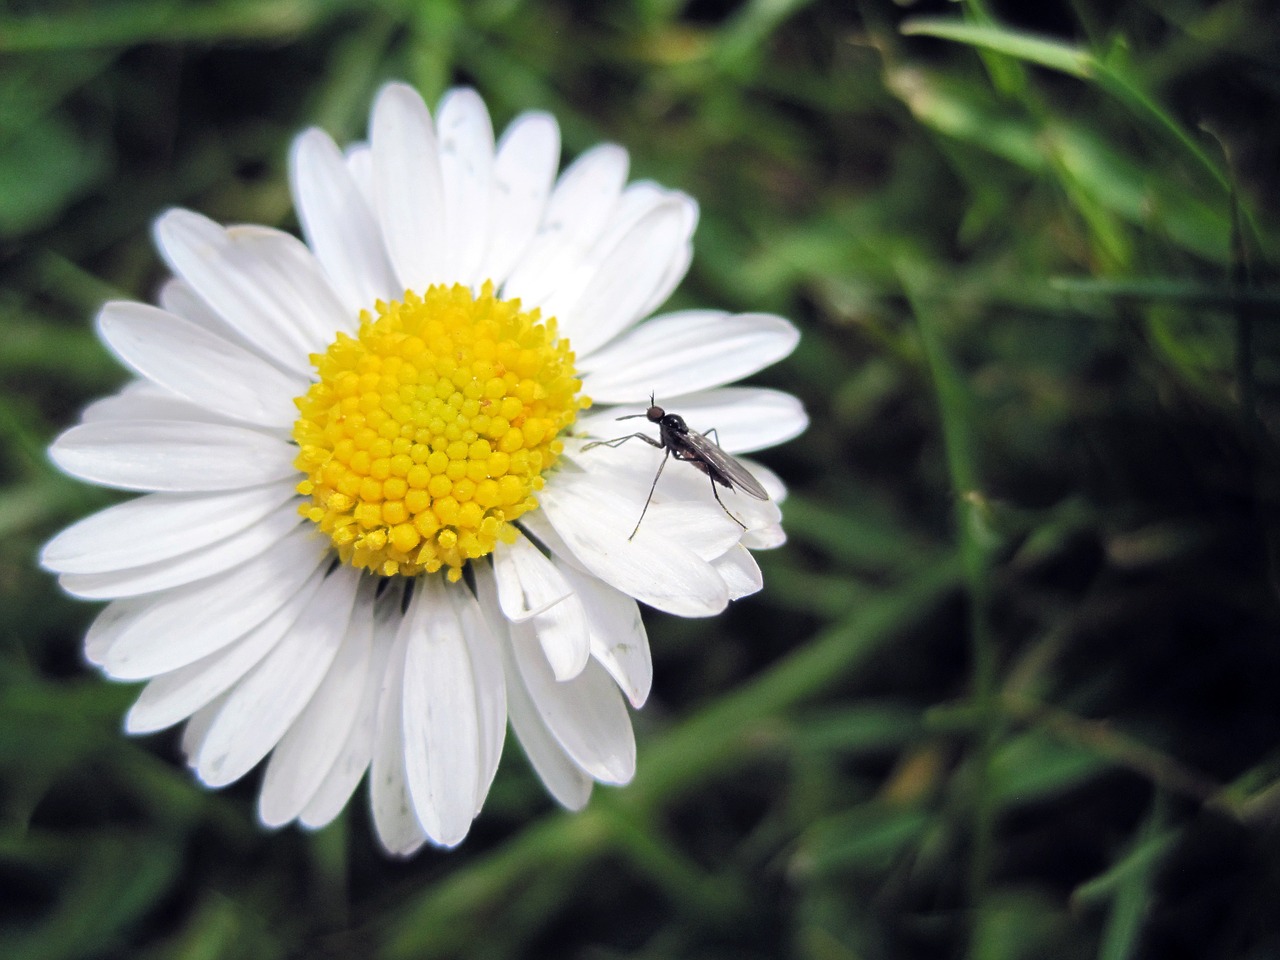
{"x":655,"y":413}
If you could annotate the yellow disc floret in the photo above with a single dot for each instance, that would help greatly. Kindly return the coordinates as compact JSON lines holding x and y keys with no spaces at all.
{"x":428,"y":433}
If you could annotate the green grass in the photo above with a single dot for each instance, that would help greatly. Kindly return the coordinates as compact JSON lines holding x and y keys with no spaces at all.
{"x":1009,"y":691}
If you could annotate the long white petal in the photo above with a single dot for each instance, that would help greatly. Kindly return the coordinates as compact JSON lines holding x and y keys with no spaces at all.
{"x":184,"y":624}
{"x":339,"y":223}
{"x":156,"y":527}
{"x":527,"y":582}
{"x":180,"y":298}
{"x":490,"y":686}
{"x":200,"y":366}
{"x":172,"y":696}
{"x":682,"y":352}
{"x":357,"y":750}
{"x":745,"y":418}
{"x":586,"y":715}
{"x":303,"y":757}
{"x":198,"y":726}
{"x":562,"y":252}
{"x":740,"y":571}
{"x":172,"y":456}
{"x":623,"y":283}
{"x":407,"y":185}
{"x":618,"y":638}
{"x":565,"y":639}
{"x":596,"y":523}
{"x":524,"y":168}
{"x":393,"y":814}
{"x":264,"y":704}
{"x":466,"y":171}
{"x":144,"y":400}
{"x":263,"y":282}
{"x":563,"y":778}
{"x":187,"y":567}
{"x":440,"y":716}
{"x":109,"y":625}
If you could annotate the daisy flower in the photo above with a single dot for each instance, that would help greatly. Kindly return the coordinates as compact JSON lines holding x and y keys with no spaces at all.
{"x":370,"y":536}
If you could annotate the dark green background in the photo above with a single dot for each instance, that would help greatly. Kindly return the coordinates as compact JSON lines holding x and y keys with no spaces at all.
{"x":1010,"y":690}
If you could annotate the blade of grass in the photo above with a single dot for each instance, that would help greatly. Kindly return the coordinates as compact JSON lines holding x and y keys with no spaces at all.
{"x":1065,"y":58}
{"x":975,"y":541}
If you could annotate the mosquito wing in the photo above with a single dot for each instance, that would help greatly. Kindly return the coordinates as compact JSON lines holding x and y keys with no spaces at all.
{"x":734,"y":474}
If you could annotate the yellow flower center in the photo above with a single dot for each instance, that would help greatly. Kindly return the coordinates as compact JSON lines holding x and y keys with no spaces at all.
{"x":428,"y":433}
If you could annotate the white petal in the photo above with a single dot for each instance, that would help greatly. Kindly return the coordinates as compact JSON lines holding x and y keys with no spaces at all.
{"x":198,"y":726}
{"x":740,"y":572}
{"x":682,"y":352}
{"x":180,"y":298}
{"x":683,"y":508}
{"x":407,"y":185}
{"x":440,"y":716}
{"x":393,"y":814}
{"x":311,"y":745}
{"x":527,"y":582}
{"x":637,"y":200}
{"x":172,"y":455}
{"x":108,"y":625}
{"x":357,"y":750}
{"x":359,"y":159}
{"x":586,"y":715}
{"x":595,"y":524}
{"x":144,"y":400}
{"x":563,"y":251}
{"x":566,"y":641}
{"x":339,"y":223}
{"x":524,"y":168}
{"x":466,"y":171}
{"x":199,"y":366}
{"x":263,"y":282}
{"x":177,"y":694}
{"x":564,"y":779}
{"x":585,"y":197}
{"x":684,"y":498}
{"x":764,"y":538}
{"x":490,"y":686}
{"x":264,"y":704}
{"x":184,"y":624}
{"x":618,"y":638}
{"x":156,"y":527}
{"x":745,"y":418}
{"x":185,"y":568}
{"x":624,"y":282}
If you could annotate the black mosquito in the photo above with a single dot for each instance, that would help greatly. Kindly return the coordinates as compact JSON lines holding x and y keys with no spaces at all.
{"x":675,"y":437}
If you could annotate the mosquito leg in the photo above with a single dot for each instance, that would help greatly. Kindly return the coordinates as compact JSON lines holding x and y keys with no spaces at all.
{"x":652,"y":487}
{"x":618,"y":441}
{"x":707,"y":433}
{"x":716,"y":493}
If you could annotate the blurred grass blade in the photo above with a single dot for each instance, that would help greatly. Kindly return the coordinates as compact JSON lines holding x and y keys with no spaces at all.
{"x":1128,"y":884}
{"x":1071,"y":60}
{"x":1191,"y":293}
{"x":126,"y":24}
{"x":1022,"y":46}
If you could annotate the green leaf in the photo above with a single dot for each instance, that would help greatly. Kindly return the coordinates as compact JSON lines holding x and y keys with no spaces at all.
{"x":1036,"y":766}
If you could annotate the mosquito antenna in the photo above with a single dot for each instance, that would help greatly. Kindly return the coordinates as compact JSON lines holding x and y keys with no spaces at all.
{"x":636,"y":416}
